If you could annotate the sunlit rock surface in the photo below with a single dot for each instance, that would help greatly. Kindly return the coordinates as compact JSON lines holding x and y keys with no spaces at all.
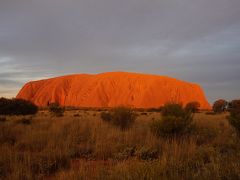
{"x":112,"y":89}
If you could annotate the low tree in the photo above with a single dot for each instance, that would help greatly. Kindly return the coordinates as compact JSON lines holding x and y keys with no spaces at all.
{"x":17,"y":107}
{"x":234,"y":118}
{"x":56,"y":110}
{"x":220,"y":106}
{"x":192,"y":106}
{"x":234,"y":107}
{"x":123,"y":117}
{"x":175,"y":121}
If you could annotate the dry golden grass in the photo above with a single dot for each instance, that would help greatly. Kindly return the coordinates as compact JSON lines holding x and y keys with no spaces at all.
{"x":82,"y":146}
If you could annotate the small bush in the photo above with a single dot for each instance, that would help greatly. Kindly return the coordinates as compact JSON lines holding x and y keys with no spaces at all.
{"x":234,"y":107}
{"x":175,"y":121}
{"x":172,"y":109}
{"x":106,"y":116}
{"x":220,"y":106}
{"x":172,"y":126}
{"x":56,"y":110}
{"x":234,"y":118}
{"x":17,"y":107}
{"x":123,"y":117}
{"x":147,"y":153}
{"x":192,"y":107}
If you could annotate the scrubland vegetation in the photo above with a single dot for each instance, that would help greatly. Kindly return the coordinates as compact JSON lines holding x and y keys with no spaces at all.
{"x":175,"y":122}
{"x":17,"y":107}
{"x":121,"y":144}
{"x":56,"y":110}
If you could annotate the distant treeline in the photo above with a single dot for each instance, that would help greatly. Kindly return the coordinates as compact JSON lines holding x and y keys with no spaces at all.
{"x":23,"y":107}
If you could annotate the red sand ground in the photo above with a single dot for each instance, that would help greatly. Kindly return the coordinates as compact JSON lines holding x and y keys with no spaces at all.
{"x":112,"y":89}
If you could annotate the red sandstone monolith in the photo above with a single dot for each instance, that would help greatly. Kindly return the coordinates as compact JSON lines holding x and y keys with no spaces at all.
{"x":112,"y":89}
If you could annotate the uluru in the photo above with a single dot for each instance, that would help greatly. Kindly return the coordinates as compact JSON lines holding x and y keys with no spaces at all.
{"x":112,"y":89}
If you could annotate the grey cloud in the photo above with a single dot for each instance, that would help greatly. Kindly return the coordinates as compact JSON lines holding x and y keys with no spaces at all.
{"x":190,"y":39}
{"x":9,"y":82}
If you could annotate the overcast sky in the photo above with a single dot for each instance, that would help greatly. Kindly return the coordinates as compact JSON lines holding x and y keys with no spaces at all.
{"x":192,"y":40}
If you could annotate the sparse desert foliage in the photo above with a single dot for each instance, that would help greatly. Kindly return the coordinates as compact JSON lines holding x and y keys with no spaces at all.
{"x":175,"y":121}
{"x":17,"y":107}
{"x":234,"y":118}
{"x":122,"y":117}
{"x":56,"y":109}
{"x":192,"y":106}
{"x":220,"y":106}
{"x":172,"y":109}
{"x":83,"y":147}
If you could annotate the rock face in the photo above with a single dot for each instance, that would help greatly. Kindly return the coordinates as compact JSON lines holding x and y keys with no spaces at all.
{"x":112,"y":89}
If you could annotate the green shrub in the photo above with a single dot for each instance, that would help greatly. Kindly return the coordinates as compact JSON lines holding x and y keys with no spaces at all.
{"x":17,"y":107}
{"x":192,"y":106}
{"x":219,"y":106}
{"x":123,"y":117}
{"x":175,"y":121}
{"x":56,"y":110}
